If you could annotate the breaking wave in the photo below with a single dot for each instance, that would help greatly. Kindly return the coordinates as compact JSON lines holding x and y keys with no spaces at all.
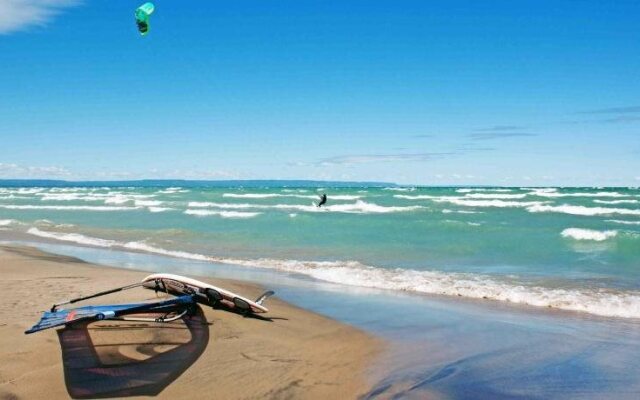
{"x":629,"y":201}
{"x":588,"y":234}
{"x":298,"y":196}
{"x":469,"y":190}
{"x":471,"y":202}
{"x":495,"y":195}
{"x":619,"y":221}
{"x":582,"y":210}
{"x":553,"y":193}
{"x":160,"y":209}
{"x":400,"y":189}
{"x":359,"y":207}
{"x":223,"y":214}
{"x":67,"y":208}
{"x":597,"y":301}
{"x":489,"y":203}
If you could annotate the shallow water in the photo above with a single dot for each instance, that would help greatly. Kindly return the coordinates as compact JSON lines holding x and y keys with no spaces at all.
{"x":574,"y":249}
{"x":452,"y":348}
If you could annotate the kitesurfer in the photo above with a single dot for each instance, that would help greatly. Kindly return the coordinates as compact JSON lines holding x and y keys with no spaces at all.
{"x":323,"y":200}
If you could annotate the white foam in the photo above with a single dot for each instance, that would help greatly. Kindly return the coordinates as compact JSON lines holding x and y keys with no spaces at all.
{"x":255,"y":195}
{"x":66,"y":208}
{"x":618,"y":221}
{"x":495,"y":195}
{"x":553,"y":193}
{"x":598,"y":301}
{"x":298,"y":196}
{"x":582,"y":210}
{"x":159,"y":209}
{"x":400,"y":189}
{"x":469,"y":190}
{"x":448,"y":211}
{"x":61,"y":196}
{"x":141,"y":246}
{"x":629,"y":201}
{"x":73,"y":237}
{"x":470,"y":202}
{"x":588,"y":234}
{"x":223,"y":214}
{"x":489,"y":203}
{"x":293,"y":215}
{"x":13,"y":196}
{"x":148,"y":203}
{"x":423,"y":197}
{"x":359,"y":207}
{"x":267,"y":195}
{"x":7,"y":222}
{"x":172,"y":190}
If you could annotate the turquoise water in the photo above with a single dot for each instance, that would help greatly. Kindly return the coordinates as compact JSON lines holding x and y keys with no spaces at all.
{"x":575,"y":249}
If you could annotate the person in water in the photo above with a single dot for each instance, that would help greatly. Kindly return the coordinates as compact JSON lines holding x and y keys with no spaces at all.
{"x":323,"y":200}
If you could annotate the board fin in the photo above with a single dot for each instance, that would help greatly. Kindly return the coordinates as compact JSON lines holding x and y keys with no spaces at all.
{"x":264,"y":296}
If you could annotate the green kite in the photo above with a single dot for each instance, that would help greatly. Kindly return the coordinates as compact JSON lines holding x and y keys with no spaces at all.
{"x":142,"y":17}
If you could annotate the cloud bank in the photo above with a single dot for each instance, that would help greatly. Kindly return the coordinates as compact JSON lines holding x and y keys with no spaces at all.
{"x":15,"y":171}
{"x":17,"y":15}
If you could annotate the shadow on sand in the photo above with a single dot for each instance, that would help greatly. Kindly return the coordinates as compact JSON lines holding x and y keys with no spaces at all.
{"x":121,"y":359}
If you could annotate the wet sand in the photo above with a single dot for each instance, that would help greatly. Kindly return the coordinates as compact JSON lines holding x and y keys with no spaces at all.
{"x":215,"y":354}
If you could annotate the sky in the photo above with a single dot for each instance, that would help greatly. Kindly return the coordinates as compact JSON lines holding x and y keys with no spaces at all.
{"x":414,"y":92}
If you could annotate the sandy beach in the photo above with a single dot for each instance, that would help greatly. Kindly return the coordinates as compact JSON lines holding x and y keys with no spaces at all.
{"x":217,"y":354}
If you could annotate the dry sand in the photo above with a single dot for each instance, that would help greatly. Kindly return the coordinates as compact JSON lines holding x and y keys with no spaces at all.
{"x":217,"y":354}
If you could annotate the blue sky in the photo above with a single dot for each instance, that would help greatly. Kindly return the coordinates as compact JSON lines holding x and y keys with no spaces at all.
{"x":420,"y":92}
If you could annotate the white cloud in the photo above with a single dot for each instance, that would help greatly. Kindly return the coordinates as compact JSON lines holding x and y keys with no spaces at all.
{"x":15,"y":171}
{"x":17,"y":15}
{"x":376,"y":158}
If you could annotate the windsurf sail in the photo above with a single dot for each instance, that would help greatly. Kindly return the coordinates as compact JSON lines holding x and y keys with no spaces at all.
{"x":52,"y":319}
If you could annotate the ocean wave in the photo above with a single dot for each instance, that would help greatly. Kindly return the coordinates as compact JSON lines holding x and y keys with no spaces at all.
{"x":553,"y":193}
{"x":68,"y":197}
{"x":448,"y":211}
{"x":470,"y":202}
{"x":495,"y":195}
{"x":66,"y":208}
{"x":148,"y":203}
{"x":588,"y":234}
{"x":489,"y":203}
{"x":7,"y":222}
{"x":172,"y":190}
{"x":297,"y":196}
{"x":469,"y":190}
{"x":223,"y":214}
{"x":359,"y":207}
{"x":424,"y":197}
{"x":619,"y":221}
{"x":267,"y":195}
{"x":160,"y":209}
{"x":15,"y":197}
{"x":629,"y":201}
{"x":400,"y":189}
{"x":582,"y":210}
{"x":73,"y":237}
{"x":122,"y":198}
{"x":597,"y":301}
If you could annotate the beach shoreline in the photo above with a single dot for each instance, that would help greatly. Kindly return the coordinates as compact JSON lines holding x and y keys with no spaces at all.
{"x":299,"y":354}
